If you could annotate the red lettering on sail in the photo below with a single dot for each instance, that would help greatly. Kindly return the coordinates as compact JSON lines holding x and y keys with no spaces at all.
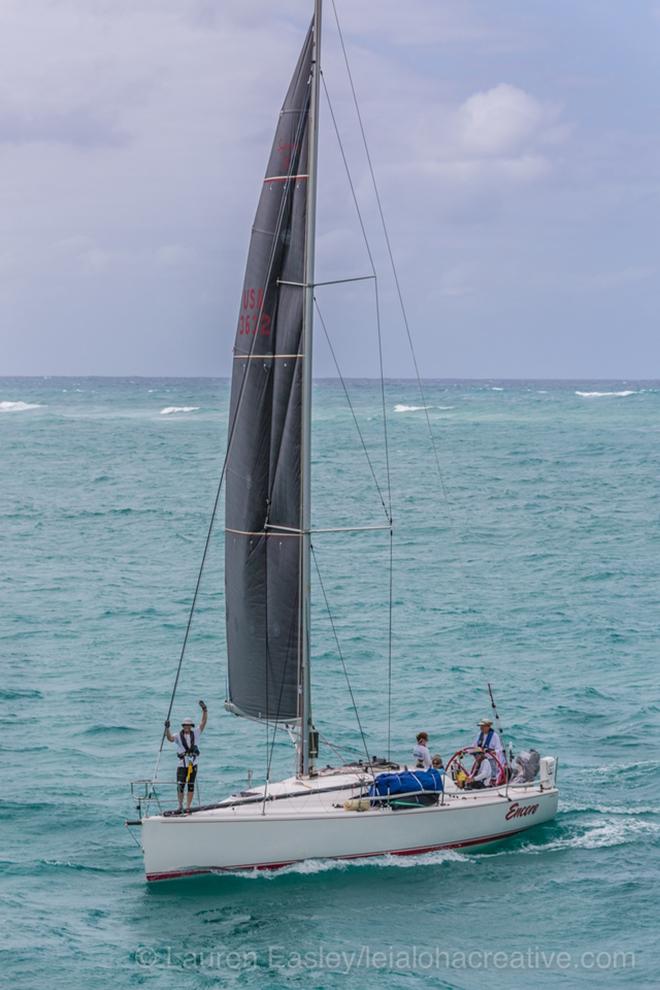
{"x":252,"y":319}
{"x":286,"y":151}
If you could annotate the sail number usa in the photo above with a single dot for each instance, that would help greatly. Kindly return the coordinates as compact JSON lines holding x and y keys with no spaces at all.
{"x":252,"y":319}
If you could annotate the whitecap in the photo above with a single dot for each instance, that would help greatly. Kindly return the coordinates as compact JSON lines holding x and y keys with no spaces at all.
{"x":402,"y":408}
{"x":619,"y":768}
{"x":610,"y":833}
{"x":599,"y":836}
{"x":19,"y":406}
{"x":168,"y":410}
{"x":496,"y":388}
{"x":312,"y":867}
{"x":609,"y":809}
{"x":600,"y":395}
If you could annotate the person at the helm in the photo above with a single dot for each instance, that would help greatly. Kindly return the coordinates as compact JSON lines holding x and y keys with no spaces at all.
{"x":489,"y":739}
{"x":187,"y":751}
{"x":480,"y":776}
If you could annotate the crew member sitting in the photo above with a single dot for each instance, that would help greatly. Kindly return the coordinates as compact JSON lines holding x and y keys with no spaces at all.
{"x":481,"y":773}
{"x":421,"y":753}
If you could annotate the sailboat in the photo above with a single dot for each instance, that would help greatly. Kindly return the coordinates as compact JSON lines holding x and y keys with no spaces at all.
{"x":331,"y":812}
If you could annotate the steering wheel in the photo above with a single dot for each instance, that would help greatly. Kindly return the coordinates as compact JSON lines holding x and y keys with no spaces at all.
{"x":455,"y":763}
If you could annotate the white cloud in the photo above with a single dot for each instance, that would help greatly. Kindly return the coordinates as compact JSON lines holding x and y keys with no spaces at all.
{"x":495,"y":139}
{"x":501,"y":122}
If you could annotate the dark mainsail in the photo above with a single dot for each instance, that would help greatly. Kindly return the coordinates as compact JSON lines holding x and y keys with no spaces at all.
{"x":263,"y":480}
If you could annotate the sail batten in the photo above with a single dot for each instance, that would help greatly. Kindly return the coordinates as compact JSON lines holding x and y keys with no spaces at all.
{"x":262,"y":564}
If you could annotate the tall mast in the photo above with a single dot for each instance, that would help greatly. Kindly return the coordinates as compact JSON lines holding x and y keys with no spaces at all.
{"x":306,"y":757}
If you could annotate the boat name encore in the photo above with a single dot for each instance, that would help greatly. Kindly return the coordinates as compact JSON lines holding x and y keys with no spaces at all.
{"x":516,"y":811}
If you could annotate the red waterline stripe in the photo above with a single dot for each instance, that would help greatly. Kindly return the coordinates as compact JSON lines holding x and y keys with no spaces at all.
{"x":388,"y":852}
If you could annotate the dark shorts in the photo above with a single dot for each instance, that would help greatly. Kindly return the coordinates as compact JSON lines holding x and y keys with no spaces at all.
{"x":182,"y":777}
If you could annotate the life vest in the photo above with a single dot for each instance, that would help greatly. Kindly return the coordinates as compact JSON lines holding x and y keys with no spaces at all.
{"x":189,"y":749}
{"x":484,"y":742}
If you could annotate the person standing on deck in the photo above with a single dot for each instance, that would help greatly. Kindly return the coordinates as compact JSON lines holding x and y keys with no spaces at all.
{"x":488,"y":738}
{"x":188,"y":753}
{"x":421,"y":753}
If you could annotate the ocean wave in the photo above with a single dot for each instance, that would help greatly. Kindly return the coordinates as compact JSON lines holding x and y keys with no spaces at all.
{"x":168,"y":410}
{"x":621,"y":768}
{"x":610,"y":833}
{"x":7,"y":406}
{"x":600,"y":395}
{"x":67,"y":864}
{"x":402,"y":408}
{"x":312,"y":867}
{"x":597,"y":835}
{"x":568,"y":808}
{"x":96,"y":730}
{"x":20,"y":694}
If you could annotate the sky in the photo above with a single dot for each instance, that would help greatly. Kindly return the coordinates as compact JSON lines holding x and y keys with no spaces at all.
{"x":516,"y":147}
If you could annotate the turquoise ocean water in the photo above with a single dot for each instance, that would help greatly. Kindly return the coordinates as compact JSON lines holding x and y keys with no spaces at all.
{"x":539,"y":571}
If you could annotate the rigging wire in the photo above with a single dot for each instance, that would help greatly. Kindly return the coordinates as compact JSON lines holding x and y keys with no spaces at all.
{"x":382,"y":384}
{"x":350,"y":406}
{"x":389,"y":519}
{"x":207,"y":543}
{"x":389,"y":251}
{"x":341,"y":655}
{"x":377,"y":293}
{"x":334,"y":748}
{"x":406,"y":322}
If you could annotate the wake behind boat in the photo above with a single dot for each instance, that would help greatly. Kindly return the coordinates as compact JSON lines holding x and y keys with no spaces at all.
{"x":361,"y":809}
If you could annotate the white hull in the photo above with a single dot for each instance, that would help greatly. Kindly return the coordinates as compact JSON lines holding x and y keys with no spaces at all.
{"x":314,"y":825}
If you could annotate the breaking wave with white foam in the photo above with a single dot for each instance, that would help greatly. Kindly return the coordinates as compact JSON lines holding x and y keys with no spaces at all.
{"x":168,"y":410}
{"x":311,"y":867}
{"x":601,"y":395}
{"x":615,"y":832}
{"x":402,"y":408}
{"x":19,"y":406}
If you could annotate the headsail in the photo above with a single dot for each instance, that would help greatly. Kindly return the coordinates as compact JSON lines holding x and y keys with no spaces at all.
{"x":262,"y":562}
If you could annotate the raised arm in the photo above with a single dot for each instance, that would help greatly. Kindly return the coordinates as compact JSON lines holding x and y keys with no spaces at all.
{"x":205,"y":715}
{"x":170,"y":737}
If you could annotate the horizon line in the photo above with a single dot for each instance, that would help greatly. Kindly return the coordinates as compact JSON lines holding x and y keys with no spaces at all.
{"x":335,"y":378}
